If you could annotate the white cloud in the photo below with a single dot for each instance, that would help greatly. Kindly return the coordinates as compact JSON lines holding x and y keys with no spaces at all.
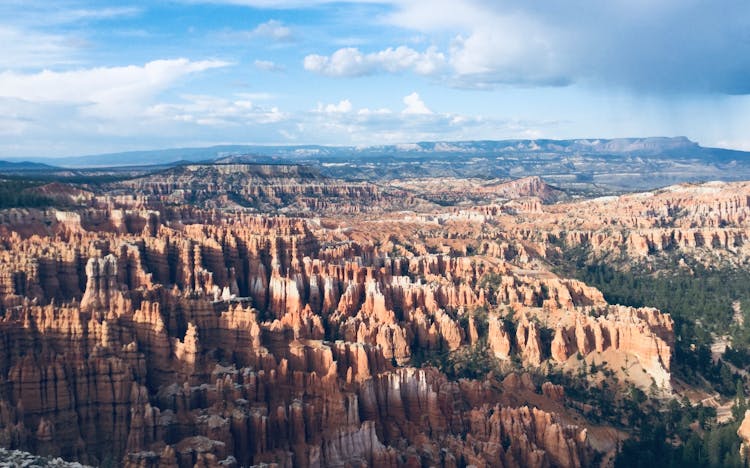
{"x":103,"y":91}
{"x":52,"y":112}
{"x":415,"y":105}
{"x":267,"y":65}
{"x":344,"y":123}
{"x":342,"y":107}
{"x":58,"y":128}
{"x":215,"y":112}
{"x":273,"y":29}
{"x":667,"y":46}
{"x":513,"y":50}
{"x":495,"y":48}
{"x":350,"y":61}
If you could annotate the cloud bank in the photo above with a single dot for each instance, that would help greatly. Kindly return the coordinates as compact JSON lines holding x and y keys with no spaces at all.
{"x":659,"y":46}
{"x":350,"y":61}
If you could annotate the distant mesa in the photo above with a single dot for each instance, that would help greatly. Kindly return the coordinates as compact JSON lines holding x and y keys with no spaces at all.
{"x":229,"y":167}
{"x":261,"y":153}
{"x":585,"y":165}
{"x":241,"y":159}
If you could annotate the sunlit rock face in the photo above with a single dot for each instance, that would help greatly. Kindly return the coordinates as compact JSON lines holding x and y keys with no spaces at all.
{"x":744,"y":433}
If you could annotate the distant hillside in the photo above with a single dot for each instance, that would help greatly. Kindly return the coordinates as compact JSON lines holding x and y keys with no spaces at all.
{"x":585,"y":164}
{"x":255,"y":153}
{"x":23,"y":166}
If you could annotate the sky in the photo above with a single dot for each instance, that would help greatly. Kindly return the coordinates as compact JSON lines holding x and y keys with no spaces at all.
{"x":86,"y":77}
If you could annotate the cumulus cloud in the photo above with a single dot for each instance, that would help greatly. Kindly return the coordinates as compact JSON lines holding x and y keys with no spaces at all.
{"x":343,"y":106}
{"x":273,"y":29}
{"x":513,"y":50}
{"x":215,"y":111}
{"x":415,"y":105}
{"x":344,"y":122}
{"x":350,"y":61}
{"x":508,"y":53}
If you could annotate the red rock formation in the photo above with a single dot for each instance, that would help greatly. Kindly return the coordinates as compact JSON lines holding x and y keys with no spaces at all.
{"x":529,"y":345}
{"x":498,"y":338}
{"x":101,"y":283}
{"x":744,"y":433}
{"x":561,"y":348}
{"x":553,"y":392}
{"x":644,"y":334}
{"x":157,"y":334}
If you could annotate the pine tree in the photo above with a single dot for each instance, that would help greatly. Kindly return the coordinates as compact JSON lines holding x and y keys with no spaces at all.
{"x":740,"y":403}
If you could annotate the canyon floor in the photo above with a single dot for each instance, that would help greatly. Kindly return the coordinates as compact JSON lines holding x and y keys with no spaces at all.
{"x":246,"y":314}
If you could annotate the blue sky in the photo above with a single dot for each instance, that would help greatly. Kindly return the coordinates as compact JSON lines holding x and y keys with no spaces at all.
{"x":83,"y":77}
